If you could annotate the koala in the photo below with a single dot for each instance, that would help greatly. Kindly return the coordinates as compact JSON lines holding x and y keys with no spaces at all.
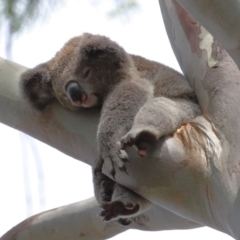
{"x":140,"y":101}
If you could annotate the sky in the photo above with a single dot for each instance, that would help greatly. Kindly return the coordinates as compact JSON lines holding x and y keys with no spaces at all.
{"x":47,"y":178}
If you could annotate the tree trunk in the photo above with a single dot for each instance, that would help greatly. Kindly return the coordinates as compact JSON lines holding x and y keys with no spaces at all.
{"x":214,"y":76}
{"x":221,"y":19}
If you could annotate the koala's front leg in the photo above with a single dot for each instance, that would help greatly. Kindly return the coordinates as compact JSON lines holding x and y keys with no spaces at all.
{"x":124,"y":205}
{"x":118,"y":202}
{"x":118,"y":112}
{"x":158,"y":117}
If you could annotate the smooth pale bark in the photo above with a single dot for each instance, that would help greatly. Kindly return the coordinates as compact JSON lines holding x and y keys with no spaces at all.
{"x":221,"y":19}
{"x":193,"y":173}
{"x":54,"y":225}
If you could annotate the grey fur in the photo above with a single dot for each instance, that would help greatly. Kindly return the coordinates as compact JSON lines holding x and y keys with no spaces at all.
{"x":141,"y":101}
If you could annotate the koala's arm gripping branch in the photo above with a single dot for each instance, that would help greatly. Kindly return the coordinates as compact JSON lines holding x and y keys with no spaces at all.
{"x":118,"y":112}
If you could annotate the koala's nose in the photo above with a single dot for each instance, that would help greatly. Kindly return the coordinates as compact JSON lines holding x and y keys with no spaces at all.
{"x":75,"y":92}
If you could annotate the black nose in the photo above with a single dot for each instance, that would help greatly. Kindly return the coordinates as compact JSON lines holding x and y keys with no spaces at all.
{"x":75,"y":92}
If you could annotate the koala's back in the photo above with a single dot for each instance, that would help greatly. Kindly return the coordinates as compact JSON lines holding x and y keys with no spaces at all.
{"x":167,"y":81}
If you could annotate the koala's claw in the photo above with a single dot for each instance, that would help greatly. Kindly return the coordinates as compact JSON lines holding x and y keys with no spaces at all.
{"x":124,"y":169}
{"x":111,"y":161}
{"x":143,"y":140}
{"x":123,"y":155}
{"x":112,"y":210}
{"x":108,"y":164}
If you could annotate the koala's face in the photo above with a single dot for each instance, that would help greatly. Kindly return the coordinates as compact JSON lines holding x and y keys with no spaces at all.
{"x":80,"y":75}
{"x":84,"y":83}
{"x":77,"y":89}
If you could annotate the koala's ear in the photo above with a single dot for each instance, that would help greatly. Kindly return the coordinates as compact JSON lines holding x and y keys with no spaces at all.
{"x":36,"y":86}
{"x":102,"y":52}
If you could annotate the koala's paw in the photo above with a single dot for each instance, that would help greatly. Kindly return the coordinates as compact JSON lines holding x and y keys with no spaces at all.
{"x":111,"y":159}
{"x":142,"y":139}
{"x":124,"y":205}
{"x":118,"y":209}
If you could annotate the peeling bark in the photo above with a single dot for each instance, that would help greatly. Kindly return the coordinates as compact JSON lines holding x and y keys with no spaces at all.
{"x":221,"y":19}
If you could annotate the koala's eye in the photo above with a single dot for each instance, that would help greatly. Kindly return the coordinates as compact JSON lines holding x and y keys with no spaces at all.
{"x":85,"y":72}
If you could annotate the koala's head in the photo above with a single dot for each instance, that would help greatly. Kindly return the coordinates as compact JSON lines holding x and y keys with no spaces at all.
{"x":81,"y":74}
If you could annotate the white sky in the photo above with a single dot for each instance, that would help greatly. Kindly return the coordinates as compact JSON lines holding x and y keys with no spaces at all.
{"x":64,"y":179}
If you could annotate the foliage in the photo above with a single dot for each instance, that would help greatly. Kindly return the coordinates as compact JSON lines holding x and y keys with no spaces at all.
{"x":123,"y":7}
{"x":19,"y":14}
{"x":22,"y":13}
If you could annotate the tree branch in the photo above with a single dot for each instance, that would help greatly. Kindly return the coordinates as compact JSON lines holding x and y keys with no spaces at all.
{"x":72,"y":133}
{"x":54,"y":225}
{"x":78,"y":221}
